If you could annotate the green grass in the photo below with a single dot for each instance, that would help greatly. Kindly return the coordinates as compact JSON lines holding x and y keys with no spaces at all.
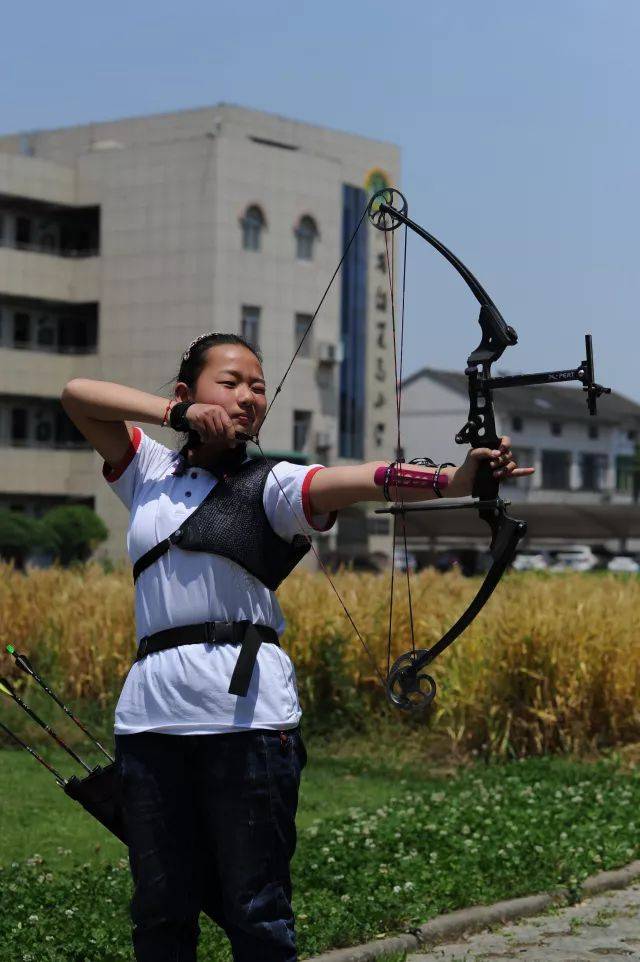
{"x":383,"y":846}
{"x":37,"y":816}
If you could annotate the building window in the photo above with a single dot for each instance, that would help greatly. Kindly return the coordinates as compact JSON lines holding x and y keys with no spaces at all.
{"x":301,"y":430}
{"x":45,"y":331}
{"x":627,"y":473}
{"x":593,"y":431}
{"x":43,"y":426}
{"x":306,"y":233}
{"x":593,"y":468}
{"x":21,"y":329}
{"x":555,"y":470}
{"x":23,"y":231}
{"x":302,"y":326}
{"x":250,"y":324}
{"x":31,"y":424}
{"x":556,"y":428}
{"x":252,"y":225}
{"x":19,"y":426}
{"x":516,"y":423}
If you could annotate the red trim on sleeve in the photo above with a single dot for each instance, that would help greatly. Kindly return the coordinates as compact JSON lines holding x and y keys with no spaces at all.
{"x":306,"y":501}
{"x":112,"y":473}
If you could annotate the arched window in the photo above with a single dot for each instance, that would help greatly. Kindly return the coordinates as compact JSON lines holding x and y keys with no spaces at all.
{"x":306,"y":234}
{"x":252,"y":224}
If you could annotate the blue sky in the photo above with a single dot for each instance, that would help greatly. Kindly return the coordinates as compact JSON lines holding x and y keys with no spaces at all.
{"x":517,"y":123}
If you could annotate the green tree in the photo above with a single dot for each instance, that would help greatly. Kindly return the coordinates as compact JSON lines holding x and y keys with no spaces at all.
{"x":77,"y":530}
{"x":21,"y":535}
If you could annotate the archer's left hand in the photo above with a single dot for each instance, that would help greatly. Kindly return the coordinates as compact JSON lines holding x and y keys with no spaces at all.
{"x":501,"y":461}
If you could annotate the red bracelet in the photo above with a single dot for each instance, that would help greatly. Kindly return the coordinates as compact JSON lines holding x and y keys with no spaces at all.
{"x":164,"y":416}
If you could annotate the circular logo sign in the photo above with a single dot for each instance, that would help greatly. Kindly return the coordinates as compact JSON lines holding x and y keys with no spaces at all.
{"x":375,"y":180}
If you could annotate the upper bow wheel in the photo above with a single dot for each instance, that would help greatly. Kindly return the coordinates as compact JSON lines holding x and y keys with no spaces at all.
{"x":382,"y":206}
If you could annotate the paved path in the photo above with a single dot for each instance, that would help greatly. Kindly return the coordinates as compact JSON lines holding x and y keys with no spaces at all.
{"x":605,"y":928}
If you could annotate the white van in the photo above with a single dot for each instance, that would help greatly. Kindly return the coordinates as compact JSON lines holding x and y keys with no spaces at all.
{"x":575,"y":557}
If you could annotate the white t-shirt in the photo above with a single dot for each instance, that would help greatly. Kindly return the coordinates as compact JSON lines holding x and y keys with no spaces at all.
{"x":184,"y":690}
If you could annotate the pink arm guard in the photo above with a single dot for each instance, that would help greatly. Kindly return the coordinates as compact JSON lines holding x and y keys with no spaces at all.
{"x":406,"y":478}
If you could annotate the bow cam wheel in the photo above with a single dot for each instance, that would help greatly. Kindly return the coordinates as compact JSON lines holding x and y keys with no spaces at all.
{"x":382,"y":207}
{"x":407,"y":688}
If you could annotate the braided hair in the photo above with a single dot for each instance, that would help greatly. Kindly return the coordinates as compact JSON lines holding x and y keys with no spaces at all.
{"x":192,"y":364}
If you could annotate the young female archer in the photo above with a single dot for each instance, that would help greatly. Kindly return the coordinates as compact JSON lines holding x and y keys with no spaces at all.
{"x":208,"y":745}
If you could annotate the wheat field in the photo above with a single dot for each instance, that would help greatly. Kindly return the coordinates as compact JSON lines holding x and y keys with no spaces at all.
{"x":552,"y":663}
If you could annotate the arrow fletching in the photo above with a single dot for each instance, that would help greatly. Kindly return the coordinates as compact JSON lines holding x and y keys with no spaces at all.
{"x":22,"y":661}
{"x":6,"y":688}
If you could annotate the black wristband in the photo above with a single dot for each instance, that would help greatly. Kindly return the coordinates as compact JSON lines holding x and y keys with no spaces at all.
{"x":385,"y":486}
{"x":436,"y":479}
{"x":177,"y":418}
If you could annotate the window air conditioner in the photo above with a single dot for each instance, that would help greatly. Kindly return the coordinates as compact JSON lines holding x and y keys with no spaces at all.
{"x":330,"y":353}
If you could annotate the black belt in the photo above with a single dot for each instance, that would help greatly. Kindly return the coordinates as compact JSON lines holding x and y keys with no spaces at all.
{"x":243,"y":633}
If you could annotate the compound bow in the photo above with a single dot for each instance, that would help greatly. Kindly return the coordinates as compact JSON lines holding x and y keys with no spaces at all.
{"x":407,"y":684}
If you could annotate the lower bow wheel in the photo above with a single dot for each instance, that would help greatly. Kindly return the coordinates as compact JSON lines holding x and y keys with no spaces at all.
{"x":407,"y":688}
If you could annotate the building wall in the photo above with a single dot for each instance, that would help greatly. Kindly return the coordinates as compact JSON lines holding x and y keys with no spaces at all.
{"x":171,"y":192}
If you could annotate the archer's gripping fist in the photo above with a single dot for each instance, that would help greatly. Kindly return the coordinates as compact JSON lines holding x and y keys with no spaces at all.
{"x":215,"y":427}
{"x":501,"y":461}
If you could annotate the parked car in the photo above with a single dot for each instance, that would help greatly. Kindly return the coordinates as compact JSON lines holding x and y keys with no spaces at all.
{"x":401,"y":562}
{"x":575,"y":557}
{"x":530,"y":561}
{"x":623,"y":563}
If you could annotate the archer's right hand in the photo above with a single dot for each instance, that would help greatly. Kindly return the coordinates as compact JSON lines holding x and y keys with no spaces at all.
{"x":214,"y":426}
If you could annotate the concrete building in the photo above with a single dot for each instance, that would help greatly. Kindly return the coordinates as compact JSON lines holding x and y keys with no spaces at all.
{"x":121,"y":242}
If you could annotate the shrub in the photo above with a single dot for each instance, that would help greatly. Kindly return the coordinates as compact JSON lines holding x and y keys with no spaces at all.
{"x":20,"y":535}
{"x":78,"y":531}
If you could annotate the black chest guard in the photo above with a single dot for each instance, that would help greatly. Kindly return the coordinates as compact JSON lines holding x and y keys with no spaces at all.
{"x":232,"y":522}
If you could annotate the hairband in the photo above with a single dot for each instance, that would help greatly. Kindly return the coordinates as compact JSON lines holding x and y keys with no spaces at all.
{"x":185,"y":356}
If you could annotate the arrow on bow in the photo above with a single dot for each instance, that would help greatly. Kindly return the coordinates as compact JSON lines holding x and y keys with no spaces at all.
{"x":406,"y":684}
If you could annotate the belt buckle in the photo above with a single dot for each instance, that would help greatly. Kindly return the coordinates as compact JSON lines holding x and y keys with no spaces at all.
{"x":224,"y":632}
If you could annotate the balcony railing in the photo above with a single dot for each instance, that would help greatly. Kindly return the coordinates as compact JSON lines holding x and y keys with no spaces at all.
{"x":53,"y":349}
{"x":54,"y":252}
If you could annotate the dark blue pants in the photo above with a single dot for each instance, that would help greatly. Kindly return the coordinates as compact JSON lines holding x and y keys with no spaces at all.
{"x":210,"y":821}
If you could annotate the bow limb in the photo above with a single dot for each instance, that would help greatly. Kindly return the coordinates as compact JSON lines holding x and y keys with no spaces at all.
{"x":406,"y":678}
